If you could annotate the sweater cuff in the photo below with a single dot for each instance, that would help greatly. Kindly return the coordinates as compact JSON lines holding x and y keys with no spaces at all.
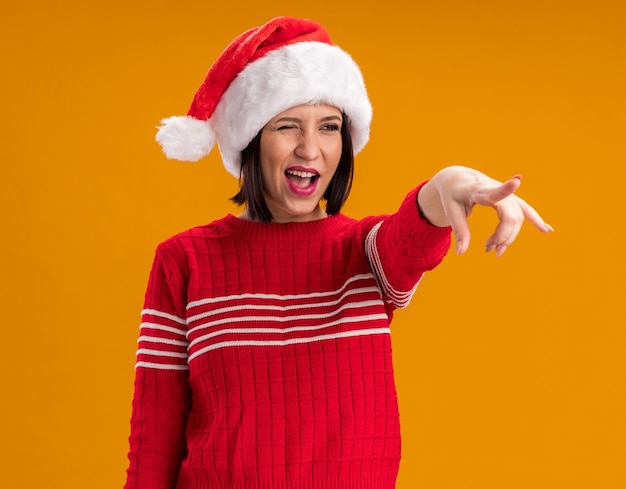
{"x":416,"y":228}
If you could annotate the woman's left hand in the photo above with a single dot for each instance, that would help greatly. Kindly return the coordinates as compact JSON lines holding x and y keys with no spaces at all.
{"x":449,"y":197}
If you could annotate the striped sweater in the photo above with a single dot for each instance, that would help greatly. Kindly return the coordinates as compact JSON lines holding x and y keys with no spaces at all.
{"x":264,"y":356}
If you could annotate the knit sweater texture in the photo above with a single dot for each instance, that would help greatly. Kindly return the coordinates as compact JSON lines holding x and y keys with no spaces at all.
{"x":264,"y":357}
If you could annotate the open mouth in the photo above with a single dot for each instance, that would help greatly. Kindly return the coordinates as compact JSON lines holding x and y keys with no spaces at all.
{"x":301,"y":179}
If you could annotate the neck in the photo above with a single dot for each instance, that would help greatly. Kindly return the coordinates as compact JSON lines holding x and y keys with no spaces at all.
{"x":317,"y":214}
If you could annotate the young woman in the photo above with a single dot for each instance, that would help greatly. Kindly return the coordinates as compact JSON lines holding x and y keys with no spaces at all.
{"x":264,"y":358}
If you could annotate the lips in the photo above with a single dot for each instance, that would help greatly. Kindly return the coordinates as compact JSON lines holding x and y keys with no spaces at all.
{"x":302,"y":181}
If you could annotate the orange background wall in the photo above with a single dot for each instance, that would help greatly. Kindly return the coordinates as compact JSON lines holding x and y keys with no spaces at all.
{"x":510,"y":371}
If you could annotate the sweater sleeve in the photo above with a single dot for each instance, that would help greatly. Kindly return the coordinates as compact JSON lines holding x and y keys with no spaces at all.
{"x":161,"y":397}
{"x":402,"y":247}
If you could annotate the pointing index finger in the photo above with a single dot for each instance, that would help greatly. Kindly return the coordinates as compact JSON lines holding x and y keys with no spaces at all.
{"x":493,"y":195}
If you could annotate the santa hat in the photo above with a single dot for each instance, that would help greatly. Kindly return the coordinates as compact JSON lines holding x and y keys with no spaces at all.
{"x":263,"y":72}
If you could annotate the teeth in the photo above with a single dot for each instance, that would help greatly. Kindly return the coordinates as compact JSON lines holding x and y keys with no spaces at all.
{"x":302,"y":174}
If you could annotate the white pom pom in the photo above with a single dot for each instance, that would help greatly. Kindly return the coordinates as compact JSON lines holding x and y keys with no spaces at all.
{"x":185,"y":138}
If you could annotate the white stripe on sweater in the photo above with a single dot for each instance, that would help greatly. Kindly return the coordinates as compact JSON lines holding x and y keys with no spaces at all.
{"x":293,"y":329}
{"x":160,"y":353}
{"x":161,"y":366}
{"x":400,"y":299}
{"x":291,"y":341}
{"x":278,"y":297}
{"x":279,"y":319}
{"x":165,"y":341}
{"x":160,"y":327}
{"x":271,"y":307}
{"x":154,"y":312}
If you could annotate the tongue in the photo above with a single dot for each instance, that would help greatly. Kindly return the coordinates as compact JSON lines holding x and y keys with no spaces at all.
{"x":300,"y":182}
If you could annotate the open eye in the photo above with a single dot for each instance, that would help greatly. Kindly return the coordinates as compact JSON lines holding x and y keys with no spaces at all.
{"x":330,"y":127}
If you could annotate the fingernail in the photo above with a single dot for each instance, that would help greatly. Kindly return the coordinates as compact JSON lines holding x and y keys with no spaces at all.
{"x":549,"y":227}
{"x":489,"y":248}
{"x":458,"y":247}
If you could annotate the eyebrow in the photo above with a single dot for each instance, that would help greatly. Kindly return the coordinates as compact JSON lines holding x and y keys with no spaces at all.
{"x":296,"y":119}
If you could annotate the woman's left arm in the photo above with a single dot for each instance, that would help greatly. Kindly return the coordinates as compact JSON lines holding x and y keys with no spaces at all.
{"x":401,"y":247}
{"x":449,"y":197}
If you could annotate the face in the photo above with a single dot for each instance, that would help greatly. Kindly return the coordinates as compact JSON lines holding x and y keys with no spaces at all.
{"x":300,"y":151}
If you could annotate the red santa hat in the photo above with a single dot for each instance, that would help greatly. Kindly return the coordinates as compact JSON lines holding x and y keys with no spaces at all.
{"x":263,"y":72}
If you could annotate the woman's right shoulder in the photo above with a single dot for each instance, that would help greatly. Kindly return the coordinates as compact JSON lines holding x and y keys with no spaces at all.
{"x":197,"y":236}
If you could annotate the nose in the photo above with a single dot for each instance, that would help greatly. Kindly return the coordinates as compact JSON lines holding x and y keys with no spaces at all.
{"x":308,"y":147}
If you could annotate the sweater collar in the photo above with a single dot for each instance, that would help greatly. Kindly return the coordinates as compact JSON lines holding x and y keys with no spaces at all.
{"x":285,"y":231}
